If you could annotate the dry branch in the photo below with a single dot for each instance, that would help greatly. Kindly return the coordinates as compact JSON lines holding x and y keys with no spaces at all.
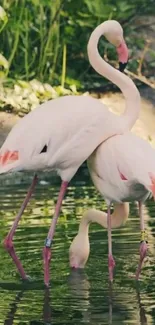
{"x":141,"y":78}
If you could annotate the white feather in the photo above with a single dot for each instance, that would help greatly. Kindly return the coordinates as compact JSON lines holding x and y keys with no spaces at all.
{"x":129,"y":155}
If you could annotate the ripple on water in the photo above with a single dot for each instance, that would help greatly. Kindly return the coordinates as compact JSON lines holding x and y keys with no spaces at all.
{"x":74,"y":297}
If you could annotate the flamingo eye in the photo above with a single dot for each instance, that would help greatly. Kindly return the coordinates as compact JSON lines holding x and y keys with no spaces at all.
{"x":44,"y":149}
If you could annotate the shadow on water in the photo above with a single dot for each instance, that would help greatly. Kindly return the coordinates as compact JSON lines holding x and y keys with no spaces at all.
{"x":110,"y":310}
{"x":74,"y":297}
{"x":46,"y":313}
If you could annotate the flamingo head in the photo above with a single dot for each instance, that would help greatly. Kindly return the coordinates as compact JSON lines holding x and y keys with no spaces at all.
{"x":114,"y":34}
{"x":79,"y":251}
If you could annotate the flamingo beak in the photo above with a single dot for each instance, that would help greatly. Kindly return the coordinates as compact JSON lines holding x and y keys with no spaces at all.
{"x":122,"y":66}
{"x":123,"y":55}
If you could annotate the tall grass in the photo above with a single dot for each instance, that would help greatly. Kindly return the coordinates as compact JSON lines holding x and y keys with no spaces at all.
{"x":36,"y":34}
{"x":30,"y":41}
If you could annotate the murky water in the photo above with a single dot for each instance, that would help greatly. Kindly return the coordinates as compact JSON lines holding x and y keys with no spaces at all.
{"x":77,"y":297}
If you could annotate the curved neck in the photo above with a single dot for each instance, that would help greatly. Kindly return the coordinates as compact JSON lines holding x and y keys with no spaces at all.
{"x":125,"y":84}
{"x":118,"y":217}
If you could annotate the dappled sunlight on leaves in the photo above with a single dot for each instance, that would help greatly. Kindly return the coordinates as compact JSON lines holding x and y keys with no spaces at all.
{"x":74,"y":294}
{"x":3,"y":62}
{"x":26,"y":96}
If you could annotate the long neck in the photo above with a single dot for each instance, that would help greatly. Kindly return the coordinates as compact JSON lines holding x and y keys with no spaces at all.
{"x":125,"y":84}
{"x":118,"y":217}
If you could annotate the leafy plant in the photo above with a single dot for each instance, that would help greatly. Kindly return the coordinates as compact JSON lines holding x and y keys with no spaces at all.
{"x":46,"y":39}
{"x":25,"y":96}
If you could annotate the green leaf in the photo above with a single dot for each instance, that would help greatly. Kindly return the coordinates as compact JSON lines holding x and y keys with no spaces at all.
{"x":3,"y":62}
{"x":3,"y":15}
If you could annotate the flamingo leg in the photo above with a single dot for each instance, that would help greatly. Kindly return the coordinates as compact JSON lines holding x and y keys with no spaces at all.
{"x":49,"y":239}
{"x":8,"y":241}
{"x":111,"y":261}
{"x":143,"y":244}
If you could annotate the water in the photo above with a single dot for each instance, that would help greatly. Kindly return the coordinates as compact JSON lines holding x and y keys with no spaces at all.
{"x":77,"y":297}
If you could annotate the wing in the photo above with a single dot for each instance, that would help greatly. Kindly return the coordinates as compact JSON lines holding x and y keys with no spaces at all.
{"x":74,"y":152}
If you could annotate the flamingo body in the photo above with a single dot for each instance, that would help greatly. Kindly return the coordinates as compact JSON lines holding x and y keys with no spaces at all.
{"x":70,"y":127}
{"x":123,"y":169}
{"x":126,"y":155}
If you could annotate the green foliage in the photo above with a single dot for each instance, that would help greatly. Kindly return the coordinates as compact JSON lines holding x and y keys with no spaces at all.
{"x":24,"y":96}
{"x":46,"y":39}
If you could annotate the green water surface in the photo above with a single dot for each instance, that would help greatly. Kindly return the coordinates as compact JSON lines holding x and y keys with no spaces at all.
{"x":74,"y":297}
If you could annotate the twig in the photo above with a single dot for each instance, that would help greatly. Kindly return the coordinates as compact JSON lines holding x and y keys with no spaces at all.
{"x":141,"y":78}
{"x":143,"y":25}
{"x":146,"y":47}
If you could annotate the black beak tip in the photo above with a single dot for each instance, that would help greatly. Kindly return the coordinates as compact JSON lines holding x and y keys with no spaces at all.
{"x":122,"y":66}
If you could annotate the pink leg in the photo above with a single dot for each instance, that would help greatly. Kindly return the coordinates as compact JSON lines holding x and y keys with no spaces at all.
{"x":143,"y":244}
{"x":8,"y":241}
{"x":49,"y":239}
{"x":111,"y":261}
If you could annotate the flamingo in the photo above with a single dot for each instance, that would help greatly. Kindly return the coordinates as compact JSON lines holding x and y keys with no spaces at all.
{"x":123,"y":170}
{"x":80,"y":247}
{"x":61,"y":134}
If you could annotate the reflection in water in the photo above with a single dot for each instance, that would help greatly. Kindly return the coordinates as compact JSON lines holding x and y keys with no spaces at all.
{"x":78,"y":283}
{"x":46,"y":317}
{"x":81,"y":296}
{"x":12,"y":309}
{"x":79,"y":287}
{"x":47,"y":307}
{"x":110,"y":302}
{"x":142,"y":312}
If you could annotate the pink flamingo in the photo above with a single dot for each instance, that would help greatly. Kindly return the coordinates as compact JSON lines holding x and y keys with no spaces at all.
{"x":123,"y":169}
{"x":80,"y":248}
{"x":62,"y":133}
